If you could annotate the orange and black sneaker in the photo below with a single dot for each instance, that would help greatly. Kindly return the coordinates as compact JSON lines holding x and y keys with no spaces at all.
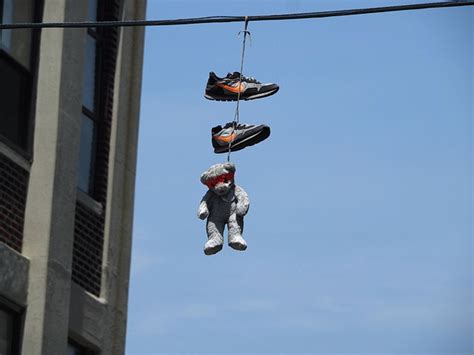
{"x":238,"y":135}
{"x":228,"y":88}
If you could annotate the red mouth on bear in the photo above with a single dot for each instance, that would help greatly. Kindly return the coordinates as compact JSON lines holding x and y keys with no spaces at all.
{"x":211,"y":183}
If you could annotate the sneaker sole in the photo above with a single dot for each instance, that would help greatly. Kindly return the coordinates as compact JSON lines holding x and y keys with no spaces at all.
{"x":237,"y":144}
{"x":238,"y":246}
{"x":214,"y":250}
{"x":253,"y":97}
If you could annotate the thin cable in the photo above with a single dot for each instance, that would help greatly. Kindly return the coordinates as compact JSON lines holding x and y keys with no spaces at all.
{"x":245,"y":32}
{"x":242,"y":57}
{"x":225,"y":19}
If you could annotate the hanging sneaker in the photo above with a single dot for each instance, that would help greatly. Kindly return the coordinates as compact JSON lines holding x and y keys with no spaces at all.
{"x":227,"y":89}
{"x":243,"y":135}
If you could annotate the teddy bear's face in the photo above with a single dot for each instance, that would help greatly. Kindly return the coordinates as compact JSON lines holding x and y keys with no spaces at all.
{"x":219,"y":178}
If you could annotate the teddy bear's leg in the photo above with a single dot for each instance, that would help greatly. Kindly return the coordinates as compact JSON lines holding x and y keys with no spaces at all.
{"x":236,"y":227}
{"x":215,"y":230}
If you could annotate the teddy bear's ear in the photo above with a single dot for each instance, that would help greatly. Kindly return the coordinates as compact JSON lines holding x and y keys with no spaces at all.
{"x":204,"y":177}
{"x":230,"y":167}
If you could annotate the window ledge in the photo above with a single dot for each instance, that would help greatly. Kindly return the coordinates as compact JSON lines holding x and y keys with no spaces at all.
{"x":14,"y":156}
{"x":89,"y":202}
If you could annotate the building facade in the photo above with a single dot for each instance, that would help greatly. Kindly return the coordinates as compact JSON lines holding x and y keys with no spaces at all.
{"x":69,"y":109}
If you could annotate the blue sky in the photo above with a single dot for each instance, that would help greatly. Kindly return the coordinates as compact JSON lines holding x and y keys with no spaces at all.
{"x":359,"y":229}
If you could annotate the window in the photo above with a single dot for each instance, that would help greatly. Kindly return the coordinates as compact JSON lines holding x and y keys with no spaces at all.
{"x":86,"y":153}
{"x":92,"y":10}
{"x":17,"y":43}
{"x":9,"y":331}
{"x":89,"y":107}
{"x":75,"y":349}
{"x":15,"y":73}
{"x":6,"y":332}
{"x":15,"y":86}
{"x":88,"y":91}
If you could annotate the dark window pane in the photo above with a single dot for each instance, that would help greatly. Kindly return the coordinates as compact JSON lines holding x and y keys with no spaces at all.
{"x":86,"y":158}
{"x":14,"y":102}
{"x":6,"y":333}
{"x":88,"y":92}
{"x":17,"y":43}
{"x":72,"y":350}
{"x":76,"y":349}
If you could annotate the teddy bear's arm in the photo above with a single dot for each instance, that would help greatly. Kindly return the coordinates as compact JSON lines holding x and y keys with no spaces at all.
{"x":203,"y":211}
{"x":243,"y":202}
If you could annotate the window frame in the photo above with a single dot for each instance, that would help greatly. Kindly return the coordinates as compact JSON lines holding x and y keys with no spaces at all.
{"x":26,"y":152}
{"x":95,"y":115}
{"x":101,"y":113}
{"x":17,"y":313}
{"x":26,"y":77}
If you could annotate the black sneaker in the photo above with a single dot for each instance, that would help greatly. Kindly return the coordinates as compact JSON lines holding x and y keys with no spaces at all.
{"x":243,"y":135}
{"x":227,"y":89}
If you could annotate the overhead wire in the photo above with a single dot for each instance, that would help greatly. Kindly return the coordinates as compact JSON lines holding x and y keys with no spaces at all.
{"x":227,"y":19}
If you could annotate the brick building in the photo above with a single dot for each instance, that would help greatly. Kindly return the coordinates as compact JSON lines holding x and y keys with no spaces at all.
{"x":69,"y":108}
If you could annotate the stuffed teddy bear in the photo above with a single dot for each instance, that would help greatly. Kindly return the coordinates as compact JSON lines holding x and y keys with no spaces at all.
{"x":224,"y":203}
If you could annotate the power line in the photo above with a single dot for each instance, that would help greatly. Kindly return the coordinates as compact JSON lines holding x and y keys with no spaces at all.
{"x":225,"y":19}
